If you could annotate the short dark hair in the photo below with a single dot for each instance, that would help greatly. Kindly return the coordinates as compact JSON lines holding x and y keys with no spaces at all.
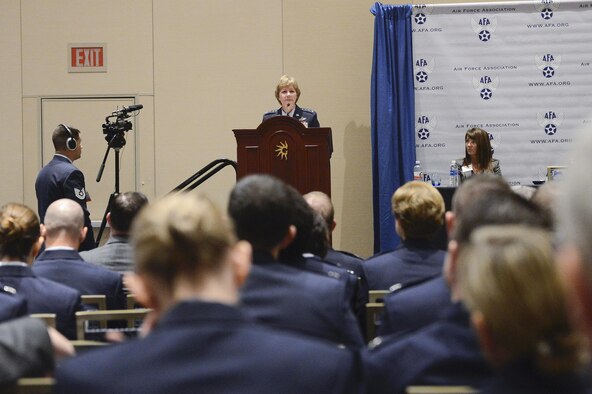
{"x":263,"y":208}
{"x":60,"y":136}
{"x":124,"y":208}
{"x":499,"y":207}
{"x":318,"y":242}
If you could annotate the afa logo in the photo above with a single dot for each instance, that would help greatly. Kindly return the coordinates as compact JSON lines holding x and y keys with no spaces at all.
{"x":550,"y":121}
{"x":546,"y":8}
{"x":424,"y":125}
{"x":423,"y":68}
{"x":484,"y":27}
{"x":548,"y":64}
{"x":485,"y":85}
{"x":421,"y":12}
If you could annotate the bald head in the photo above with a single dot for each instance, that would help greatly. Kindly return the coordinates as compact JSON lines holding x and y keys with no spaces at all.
{"x":64,"y":223}
{"x":321,"y":204}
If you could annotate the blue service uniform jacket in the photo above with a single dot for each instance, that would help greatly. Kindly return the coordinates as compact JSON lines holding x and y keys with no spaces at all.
{"x":410,"y":309}
{"x":293,"y":299}
{"x":44,"y":296}
{"x":413,"y":261}
{"x":11,"y":305}
{"x":444,"y":353}
{"x":68,"y":268}
{"x":301,"y":114}
{"x":523,"y":377}
{"x":354,"y":264}
{"x":61,"y":179}
{"x":202,"y":347}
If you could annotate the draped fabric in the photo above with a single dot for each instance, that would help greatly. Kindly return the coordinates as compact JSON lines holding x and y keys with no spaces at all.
{"x":392,"y":115}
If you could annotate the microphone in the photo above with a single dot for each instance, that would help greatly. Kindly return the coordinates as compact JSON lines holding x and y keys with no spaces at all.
{"x":131,"y":108}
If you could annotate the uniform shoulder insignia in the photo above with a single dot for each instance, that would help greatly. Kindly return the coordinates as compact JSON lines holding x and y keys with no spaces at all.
{"x":271,"y":111}
{"x":308,"y":110}
{"x":376,"y":342}
{"x":8,"y":289}
{"x":80,"y":193}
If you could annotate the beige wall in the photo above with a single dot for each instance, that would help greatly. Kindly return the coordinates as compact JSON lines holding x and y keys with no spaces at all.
{"x":200,"y":68}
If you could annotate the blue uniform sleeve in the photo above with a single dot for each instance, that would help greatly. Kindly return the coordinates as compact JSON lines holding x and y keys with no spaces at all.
{"x":74,"y":188}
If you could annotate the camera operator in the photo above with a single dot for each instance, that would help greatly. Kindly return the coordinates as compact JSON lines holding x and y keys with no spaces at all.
{"x":61,"y":179}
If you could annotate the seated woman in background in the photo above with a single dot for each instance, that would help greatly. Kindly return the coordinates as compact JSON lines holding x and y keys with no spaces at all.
{"x":287,"y":94}
{"x":20,"y":241}
{"x":510,"y":284}
{"x":478,"y":155}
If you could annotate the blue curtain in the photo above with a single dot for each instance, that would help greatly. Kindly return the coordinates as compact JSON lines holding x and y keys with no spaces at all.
{"x":392,"y":115}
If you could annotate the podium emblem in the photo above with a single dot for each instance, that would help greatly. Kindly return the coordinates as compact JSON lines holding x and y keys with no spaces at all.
{"x":282,"y":150}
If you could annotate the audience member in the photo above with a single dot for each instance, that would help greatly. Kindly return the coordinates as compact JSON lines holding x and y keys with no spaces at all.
{"x":117,"y":253}
{"x":418,"y":209}
{"x":61,"y":179}
{"x":28,"y":348}
{"x":409,"y":309}
{"x":316,"y":248}
{"x":508,"y":280}
{"x":575,"y":233}
{"x":189,"y":268}
{"x":277,"y":292}
{"x":322,"y":205}
{"x":548,"y":197}
{"x":64,"y":230}
{"x":446,"y":352}
{"x":20,"y":241}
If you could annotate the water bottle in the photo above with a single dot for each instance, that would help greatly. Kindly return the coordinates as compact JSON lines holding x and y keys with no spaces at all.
{"x":454,"y":176}
{"x":417,"y":172}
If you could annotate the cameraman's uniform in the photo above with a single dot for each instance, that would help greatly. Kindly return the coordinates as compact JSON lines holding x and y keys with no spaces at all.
{"x":61,"y":179}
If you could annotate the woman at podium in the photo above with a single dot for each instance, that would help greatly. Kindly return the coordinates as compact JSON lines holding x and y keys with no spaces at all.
{"x":478,"y":155}
{"x":287,"y":94}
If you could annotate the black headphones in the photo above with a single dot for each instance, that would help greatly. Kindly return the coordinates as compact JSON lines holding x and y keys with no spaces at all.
{"x":71,"y":143}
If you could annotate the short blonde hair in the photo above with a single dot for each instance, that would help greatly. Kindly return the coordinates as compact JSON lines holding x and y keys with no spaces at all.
{"x":182,"y":235}
{"x":284,"y":82}
{"x":508,"y":274}
{"x":419,"y":208}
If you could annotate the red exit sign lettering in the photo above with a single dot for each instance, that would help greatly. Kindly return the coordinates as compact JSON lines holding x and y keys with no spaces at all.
{"x":87,"y":57}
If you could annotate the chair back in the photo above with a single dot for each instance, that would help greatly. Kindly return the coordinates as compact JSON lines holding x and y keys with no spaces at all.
{"x":374,"y":311}
{"x":441,"y":390}
{"x":131,"y":316}
{"x":31,"y":386}
{"x":97,"y":300}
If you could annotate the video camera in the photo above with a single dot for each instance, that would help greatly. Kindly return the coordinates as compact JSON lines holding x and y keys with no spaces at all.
{"x":114,"y":129}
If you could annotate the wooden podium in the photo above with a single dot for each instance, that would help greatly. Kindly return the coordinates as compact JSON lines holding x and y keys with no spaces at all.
{"x":284,"y":147}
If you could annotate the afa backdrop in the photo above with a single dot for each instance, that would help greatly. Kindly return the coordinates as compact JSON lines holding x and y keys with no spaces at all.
{"x":522,"y":71}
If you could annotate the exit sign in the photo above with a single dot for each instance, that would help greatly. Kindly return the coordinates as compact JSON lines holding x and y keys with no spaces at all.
{"x":87,"y":58}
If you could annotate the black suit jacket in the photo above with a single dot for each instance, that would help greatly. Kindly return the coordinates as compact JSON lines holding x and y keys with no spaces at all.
{"x":68,"y":268}
{"x":202,"y":347}
{"x":25,"y":350}
{"x":61,"y":179}
{"x":301,"y":114}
